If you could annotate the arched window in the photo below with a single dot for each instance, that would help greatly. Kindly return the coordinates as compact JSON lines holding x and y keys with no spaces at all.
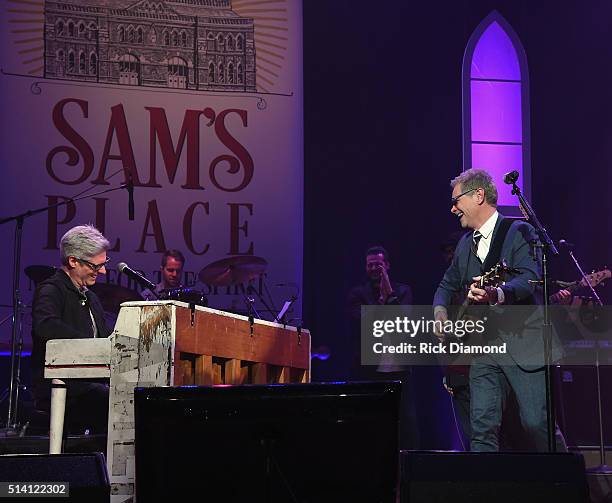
{"x":121,"y":34}
{"x":239,"y":43}
{"x":82,"y":64}
{"x":130,"y":34}
{"x":240,"y":78}
{"x":174,"y":38}
{"x":60,"y":67}
{"x":91,"y":32}
{"x":81,"y":30}
{"x":139,"y":35}
{"x":177,"y":73}
{"x":71,"y":62}
{"x":59,"y":28}
{"x":184,"y":39}
{"x":230,"y":73}
{"x":70,"y":29}
{"x":129,"y":63}
{"x":129,"y":70}
{"x":210,"y":43}
{"x":177,"y":66}
{"x":221,"y":76}
{"x":93,"y":64}
{"x":166,"y":38}
{"x":211,"y":72}
{"x":496,"y":131}
{"x":219,"y":42}
{"x":230,"y":43}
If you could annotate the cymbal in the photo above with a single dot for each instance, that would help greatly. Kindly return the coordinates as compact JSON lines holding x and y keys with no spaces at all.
{"x":232,"y":270}
{"x":112,"y":296}
{"x":38,"y":273}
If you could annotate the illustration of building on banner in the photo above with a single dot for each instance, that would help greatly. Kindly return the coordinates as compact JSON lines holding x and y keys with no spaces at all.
{"x":184,"y":44}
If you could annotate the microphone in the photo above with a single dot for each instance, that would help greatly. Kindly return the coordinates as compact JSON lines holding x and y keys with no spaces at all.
{"x":511,"y":178}
{"x":566,"y":244}
{"x":136,"y":276}
{"x":130,"y":188}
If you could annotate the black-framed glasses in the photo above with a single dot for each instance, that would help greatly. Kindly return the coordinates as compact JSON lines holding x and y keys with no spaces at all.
{"x":93,"y":267}
{"x":455,"y":199}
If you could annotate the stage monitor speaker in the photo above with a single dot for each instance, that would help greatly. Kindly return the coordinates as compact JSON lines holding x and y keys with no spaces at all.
{"x":500,"y":477}
{"x":85,"y":473}
{"x":323,"y":443}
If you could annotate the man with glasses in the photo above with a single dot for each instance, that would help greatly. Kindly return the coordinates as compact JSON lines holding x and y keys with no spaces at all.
{"x":65,"y":308}
{"x":518,"y":373}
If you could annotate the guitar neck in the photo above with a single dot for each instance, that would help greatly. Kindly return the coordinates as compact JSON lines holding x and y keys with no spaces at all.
{"x":573,"y":286}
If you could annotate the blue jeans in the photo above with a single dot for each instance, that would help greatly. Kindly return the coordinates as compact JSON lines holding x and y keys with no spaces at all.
{"x":491,"y":382}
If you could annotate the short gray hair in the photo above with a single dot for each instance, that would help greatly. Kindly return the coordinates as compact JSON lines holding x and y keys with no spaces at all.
{"x":475,"y":179}
{"x":82,"y":241}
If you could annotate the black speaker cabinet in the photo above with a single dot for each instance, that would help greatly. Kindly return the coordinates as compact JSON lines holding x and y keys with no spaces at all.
{"x":85,"y":473}
{"x":312,"y":443}
{"x":577,"y":408}
{"x":460,"y":477}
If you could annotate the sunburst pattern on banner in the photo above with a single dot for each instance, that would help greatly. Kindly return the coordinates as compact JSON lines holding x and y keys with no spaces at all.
{"x":26,"y":21}
{"x":26,"y":25}
{"x":271,"y":37}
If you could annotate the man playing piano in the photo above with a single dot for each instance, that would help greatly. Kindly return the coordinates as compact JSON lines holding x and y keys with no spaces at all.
{"x":65,"y":308}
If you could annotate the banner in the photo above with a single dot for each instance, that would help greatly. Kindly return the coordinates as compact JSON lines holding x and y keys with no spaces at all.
{"x":198,"y":102}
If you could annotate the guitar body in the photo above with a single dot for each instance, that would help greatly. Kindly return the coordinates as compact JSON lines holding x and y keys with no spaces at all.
{"x":468,"y":311}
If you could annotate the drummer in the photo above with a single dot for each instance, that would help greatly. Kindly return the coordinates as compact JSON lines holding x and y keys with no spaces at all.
{"x":171,"y":272}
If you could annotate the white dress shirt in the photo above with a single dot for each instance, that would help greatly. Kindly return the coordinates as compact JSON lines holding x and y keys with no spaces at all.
{"x":484,"y":245}
{"x":486,"y":231}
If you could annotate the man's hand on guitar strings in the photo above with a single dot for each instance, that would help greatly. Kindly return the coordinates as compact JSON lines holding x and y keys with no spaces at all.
{"x":482,"y":294}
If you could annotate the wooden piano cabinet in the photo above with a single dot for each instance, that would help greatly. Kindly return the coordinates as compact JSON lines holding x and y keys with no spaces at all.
{"x":214,"y":347}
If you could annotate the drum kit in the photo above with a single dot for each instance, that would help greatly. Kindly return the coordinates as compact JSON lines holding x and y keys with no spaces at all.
{"x":224,"y":272}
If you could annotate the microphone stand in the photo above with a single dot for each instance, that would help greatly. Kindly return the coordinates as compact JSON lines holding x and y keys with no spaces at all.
{"x":250,"y":289}
{"x":547,"y":245}
{"x":250,"y":301}
{"x":11,"y":420}
{"x":603,"y":468}
{"x":585,"y":278}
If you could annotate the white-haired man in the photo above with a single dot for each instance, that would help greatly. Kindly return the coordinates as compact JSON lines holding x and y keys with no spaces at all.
{"x":65,"y":308}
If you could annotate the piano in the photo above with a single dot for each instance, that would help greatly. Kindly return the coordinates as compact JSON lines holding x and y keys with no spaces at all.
{"x":169,"y":343}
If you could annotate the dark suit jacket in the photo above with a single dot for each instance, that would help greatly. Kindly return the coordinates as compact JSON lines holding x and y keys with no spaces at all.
{"x":58,"y":312}
{"x":366,"y":295}
{"x":519,"y":327}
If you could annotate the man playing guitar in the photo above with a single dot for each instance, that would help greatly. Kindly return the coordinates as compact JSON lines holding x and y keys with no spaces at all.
{"x":520,"y":372}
